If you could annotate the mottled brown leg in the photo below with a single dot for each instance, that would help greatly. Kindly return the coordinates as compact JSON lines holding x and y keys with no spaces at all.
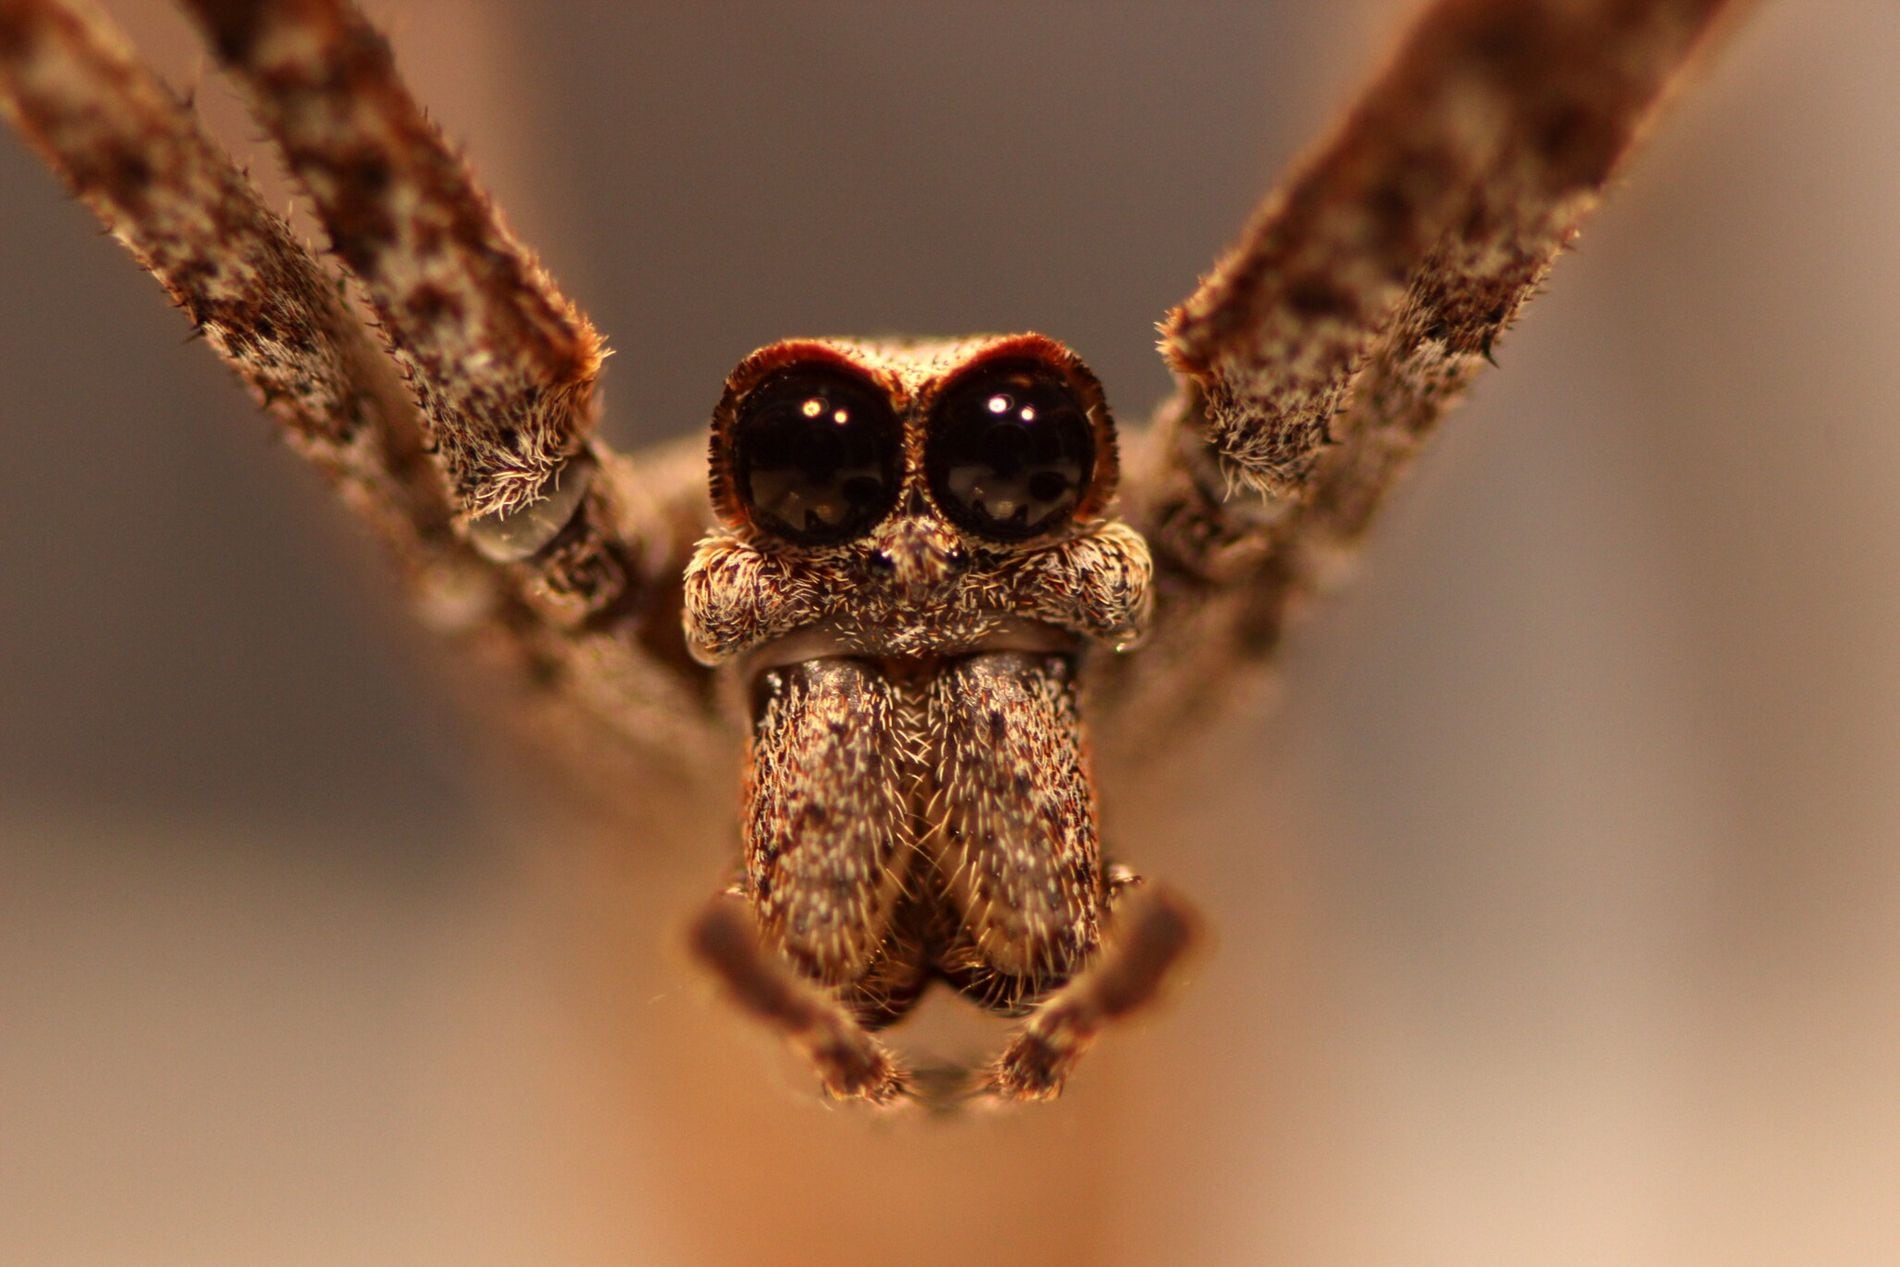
{"x":543,"y":556}
{"x":136,"y":155}
{"x":1148,"y":938}
{"x":850,"y":1063}
{"x":502,"y":364}
{"x":1364,"y":296}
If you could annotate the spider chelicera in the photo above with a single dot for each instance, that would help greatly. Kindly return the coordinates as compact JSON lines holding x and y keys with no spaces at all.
{"x":923,"y":563}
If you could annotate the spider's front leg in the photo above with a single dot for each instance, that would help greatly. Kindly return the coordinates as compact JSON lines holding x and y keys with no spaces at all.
{"x":502,"y":366}
{"x":470,"y":455}
{"x":1366,"y":293}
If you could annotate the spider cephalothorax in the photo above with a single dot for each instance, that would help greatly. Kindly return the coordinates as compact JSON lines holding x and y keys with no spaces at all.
{"x":915,"y":555}
{"x":911,"y":558}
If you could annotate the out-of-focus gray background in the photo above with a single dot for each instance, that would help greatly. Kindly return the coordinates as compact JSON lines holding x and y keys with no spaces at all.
{"x":1558,"y":902}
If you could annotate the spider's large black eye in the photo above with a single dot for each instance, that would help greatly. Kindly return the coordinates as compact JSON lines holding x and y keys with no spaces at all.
{"x":1010,"y":452}
{"x":816,"y":455}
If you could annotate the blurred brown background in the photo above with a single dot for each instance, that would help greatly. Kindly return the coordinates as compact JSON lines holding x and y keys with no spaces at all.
{"x":1558,"y":901}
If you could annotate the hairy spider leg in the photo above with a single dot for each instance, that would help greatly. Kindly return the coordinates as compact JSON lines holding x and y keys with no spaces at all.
{"x":1363,"y":296}
{"x":458,"y":426}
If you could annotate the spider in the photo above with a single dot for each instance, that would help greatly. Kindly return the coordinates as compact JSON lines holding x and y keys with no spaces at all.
{"x":922,"y":567}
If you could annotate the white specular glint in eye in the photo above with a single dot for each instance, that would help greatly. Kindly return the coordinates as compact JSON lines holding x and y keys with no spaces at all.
{"x":1011,"y":452}
{"x":816,"y":455}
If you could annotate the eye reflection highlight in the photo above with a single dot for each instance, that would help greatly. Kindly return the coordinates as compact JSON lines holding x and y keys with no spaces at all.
{"x":1011,"y":452}
{"x":815,"y":456}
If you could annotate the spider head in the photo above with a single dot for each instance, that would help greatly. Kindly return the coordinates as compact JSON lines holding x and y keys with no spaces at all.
{"x":896,"y":498}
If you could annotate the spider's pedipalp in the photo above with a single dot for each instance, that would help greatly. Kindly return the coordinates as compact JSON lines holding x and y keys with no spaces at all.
{"x":1367,"y":291}
{"x":850,"y":1062}
{"x":1153,"y":932}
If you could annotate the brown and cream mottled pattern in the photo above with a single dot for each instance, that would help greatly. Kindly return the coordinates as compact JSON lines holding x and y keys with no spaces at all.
{"x":584,"y":621}
{"x":136,"y":155}
{"x":1362,"y":299}
{"x":501,"y":363}
{"x":828,"y":830}
{"x":1009,"y":829}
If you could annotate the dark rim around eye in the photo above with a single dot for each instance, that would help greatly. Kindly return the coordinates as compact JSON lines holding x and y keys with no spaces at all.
{"x":816,"y":455}
{"x":1011,"y":452}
